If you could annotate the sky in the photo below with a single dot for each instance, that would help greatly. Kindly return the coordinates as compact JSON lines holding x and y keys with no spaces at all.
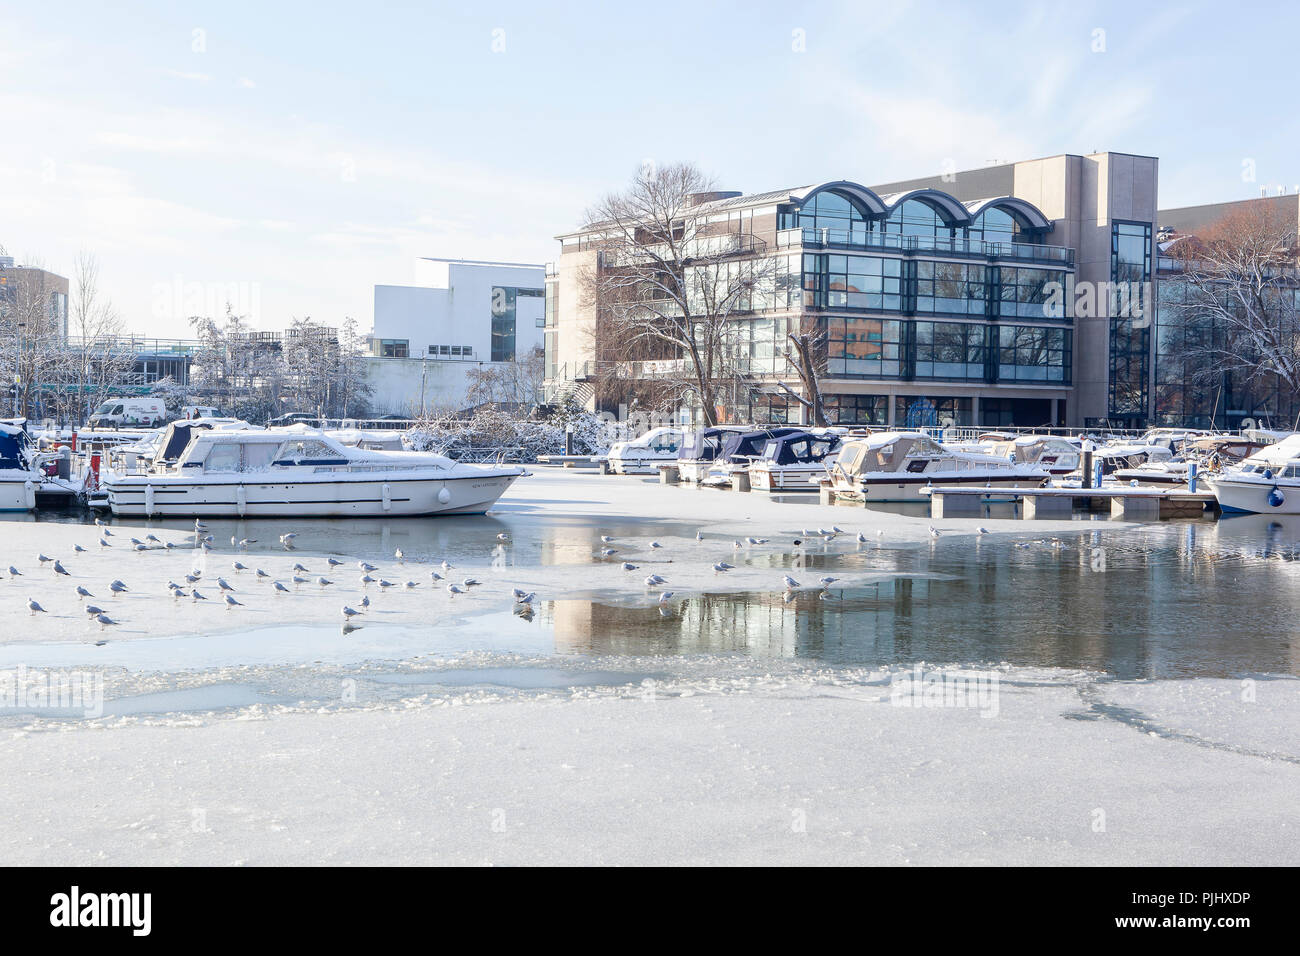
{"x":287,"y":157}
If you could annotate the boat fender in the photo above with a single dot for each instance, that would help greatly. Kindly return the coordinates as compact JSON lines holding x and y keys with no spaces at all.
{"x":1275,"y":497}
{"x":444,"y":495}
{"x":388,"y":496}
{"x":241,"y":499}
{"x":148,"y":500}
{"x":29,"y":495}
{"x":1268,"y":474}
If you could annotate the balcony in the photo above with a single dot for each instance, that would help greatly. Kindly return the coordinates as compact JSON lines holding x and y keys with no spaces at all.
{"x":810,"y":238}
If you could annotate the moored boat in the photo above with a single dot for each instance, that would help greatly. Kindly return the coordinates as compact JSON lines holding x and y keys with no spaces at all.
{"x":1268,"y":482}
{"x":795,"y":462}
{"x":298,"y":471}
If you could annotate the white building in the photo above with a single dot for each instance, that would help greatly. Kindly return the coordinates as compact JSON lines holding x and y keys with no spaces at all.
{"x":458,"y":316}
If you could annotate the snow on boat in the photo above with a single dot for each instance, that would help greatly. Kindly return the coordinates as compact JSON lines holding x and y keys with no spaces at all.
{"x":1060,"y":456}
{"x":898,"y":466}
{"x":19,"y":476}
{"x":1268,"y":482}
{"x":738,"y":451}
{"x":795,"y":462}
{"x":699,"y":450}
{"x":297,"y":471}
{"x":639,"y":456}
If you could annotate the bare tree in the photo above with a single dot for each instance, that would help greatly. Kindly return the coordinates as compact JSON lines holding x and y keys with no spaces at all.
{"x":806,"y":352}
{"x":98,"y":356}
{"x":512,"y":383}
{"x":1241,"y":291}
{"x":32,"y":345}
{"x":668,"y":283}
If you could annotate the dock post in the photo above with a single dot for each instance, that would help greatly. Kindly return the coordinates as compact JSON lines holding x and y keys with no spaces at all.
{"x":740,"y":481}
{"x":1087,"y":469}
{"x":669,"y":475}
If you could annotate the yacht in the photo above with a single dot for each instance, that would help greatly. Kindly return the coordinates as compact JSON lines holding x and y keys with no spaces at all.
{"x":737,"y":452}
{"x":1268,"y":482}
{"x":200,"y":471}
{"x":19,"y":476}
{"x":639,"y":456}
{"x":1060,"y":456}
{"x":898,"y":466}
{"x":795,"y":462}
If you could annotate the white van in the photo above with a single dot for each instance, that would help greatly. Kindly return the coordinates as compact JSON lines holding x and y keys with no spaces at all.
{"x":199,"y":411}
{"x":130,"y":413}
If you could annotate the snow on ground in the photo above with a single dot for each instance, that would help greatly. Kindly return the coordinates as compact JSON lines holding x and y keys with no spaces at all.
{"x":259,"y":736}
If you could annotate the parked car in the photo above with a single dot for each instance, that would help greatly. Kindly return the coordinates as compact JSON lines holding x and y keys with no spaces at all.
{"x":129,"y":413}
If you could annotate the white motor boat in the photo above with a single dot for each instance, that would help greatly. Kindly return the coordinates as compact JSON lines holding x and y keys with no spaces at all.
{"x":19,"y":476}
{"x":795,"y":462}
{"x":639,"y":456}
{"x":1268,"y":482}
{"x":739,"y":450}
{"x":699,"y":450}
{"x":298,"y":471}
{"x":898,"y":466}
{"x":1060,"y":456}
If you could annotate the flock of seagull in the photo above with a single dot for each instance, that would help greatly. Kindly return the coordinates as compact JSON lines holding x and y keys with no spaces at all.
{"x":439,"y":575}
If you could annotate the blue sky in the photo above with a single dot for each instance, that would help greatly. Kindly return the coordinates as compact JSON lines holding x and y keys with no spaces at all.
{"x":297,"y":154}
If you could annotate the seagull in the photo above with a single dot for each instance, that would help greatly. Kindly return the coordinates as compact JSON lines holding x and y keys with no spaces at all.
{"x":826,"y":581}
{"x":298,"y":579}
{"x":245,"y":542}
{"x":398,"y":555}
{"x":169,"y":546}
{"x":333,"y":563}
{"x":365,"y":600}
{"x":99,"y":522}
{"x":862,"y":538}
{"x":447,"y":565}
{"x":177,"y":591}
{"x":503,"y":536}
{"x":224,"y":585}
{"x":517,"y":593}
{"x":385,"y":585}
{"x":34,"y":607}
{"x":104,"y":544}
{"x":454,"y":590}
{"x":43,"y":559}
{"x":144,"y":547}
{"x":239,"y":567}
{"x":721,"y":566}
{"x":104,"y":621}
{"x":606,"y":539}
{"x":300,"y":569}
{"x":192,"y":577}
{"x":287,"y":540}
{"x":14,"y":572}
{"x":366,"y":580}
{"x":736,"y":545}
{"x":262,"y":574}
{"x":790,"y":582}
{"x":324,"y":582}
{"x":91,"y":610}
{"x":435,"y":575}
{"x":136,"y":541}
{"x":608,"y":552}
{"x":231,"y":602}
{"x":60,"y":569}
{"x":699,"y":536}
{"x":654,"y":580}
{"x":117,"y":587}
{"x":471,"y":582}
{"x":349,"y":613}
{"x":665,"y":597}
{"x":280,"y":588}
{"x":79,"y":549}
{"x":411,"y":585}
{"x":367,"y":566}
{"x":107,"y":533}
{"x":522,"y":598}
{"x":82,"y":593}
{"x":655,"y":544}
{"x":981,"y":530}
{"x":196,"y":596}
{"x":629,"y":566}
{"x":934,"y":532}
{"x":153,"y":537}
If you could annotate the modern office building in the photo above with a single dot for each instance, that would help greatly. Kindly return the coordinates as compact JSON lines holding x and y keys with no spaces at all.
{"x":457,"y":316}
{"x":1015,"y":294}
{"x":24,"y":289}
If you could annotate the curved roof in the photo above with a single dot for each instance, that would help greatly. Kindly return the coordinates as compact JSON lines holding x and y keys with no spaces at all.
{"x":957,"y":213}
{"x":1028,"y":213}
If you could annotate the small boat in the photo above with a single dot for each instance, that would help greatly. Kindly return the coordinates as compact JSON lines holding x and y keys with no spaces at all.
{"x":19,"y":476}
{"x":297,"y":471}
{"x":700,"y":448}
{"x":1060,"y":456}
{"x":795,"y":462}
{"x":1268,"y":482}
{"x":899,"y":466}
{"x":738,"y":451}
{"x":639,"y":456}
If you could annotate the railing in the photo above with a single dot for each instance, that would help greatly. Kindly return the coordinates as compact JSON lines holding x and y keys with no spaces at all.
{"x":912,"y":245}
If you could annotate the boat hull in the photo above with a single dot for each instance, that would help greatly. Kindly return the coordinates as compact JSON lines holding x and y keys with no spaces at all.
{"x":638,"y":465}
{"x":786,"y":479}
{"x":17,"y":492}
{"x":337,"y":497}
{"x":1251,"y":497}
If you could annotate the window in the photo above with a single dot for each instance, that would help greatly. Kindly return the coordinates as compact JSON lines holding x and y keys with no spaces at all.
{"x":393,"y":348}
{"x":864,"y":347}
{"x":307,"y":451}
{"x":857,"y":409}
{"x":952,"y":287}
{"x":223,"y":457}
{"x":1130,"y":332}
{"x":916,"y":411}
{"x":1029,"y":353}
{"x":503,"y":323}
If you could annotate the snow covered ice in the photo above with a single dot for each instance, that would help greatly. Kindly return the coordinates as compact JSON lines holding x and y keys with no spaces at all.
{"x":459,"y":729}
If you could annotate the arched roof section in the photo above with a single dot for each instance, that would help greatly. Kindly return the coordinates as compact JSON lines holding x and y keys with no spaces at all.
{"x":867,"y":201}
{"x":1027,"y":214}
{"x":949,"y":207}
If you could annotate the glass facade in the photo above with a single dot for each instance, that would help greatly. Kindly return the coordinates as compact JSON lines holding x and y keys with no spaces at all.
{"x":856,"y":409}
{"x":919,"y":411}
{"x":1130,"y":326}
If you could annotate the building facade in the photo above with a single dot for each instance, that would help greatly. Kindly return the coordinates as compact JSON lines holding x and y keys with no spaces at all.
{"x":458,"y":316}
{"x":986,"y":297}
